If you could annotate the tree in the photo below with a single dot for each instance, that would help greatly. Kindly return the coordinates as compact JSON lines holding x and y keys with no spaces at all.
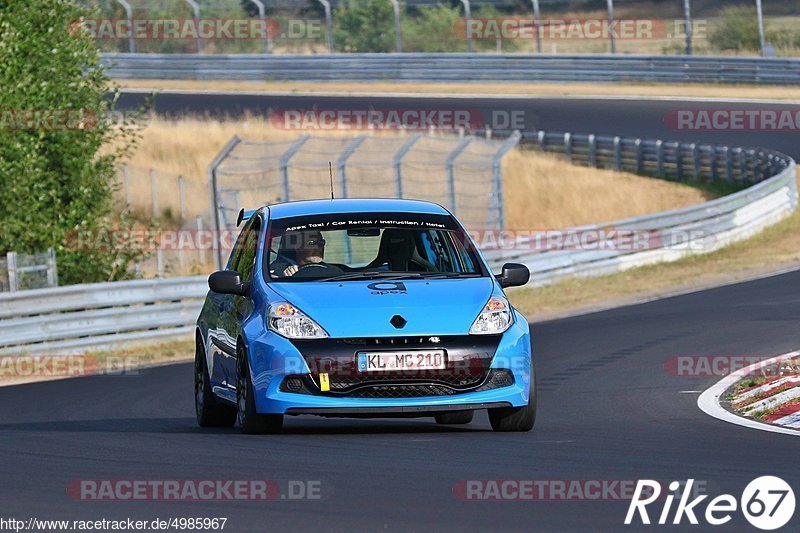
{"x":366,"y":27}
{"x":56,"y":175}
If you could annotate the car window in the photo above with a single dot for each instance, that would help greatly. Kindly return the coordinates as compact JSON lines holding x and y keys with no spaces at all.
{"x":247,"y":256}
{"x":323,"y":246}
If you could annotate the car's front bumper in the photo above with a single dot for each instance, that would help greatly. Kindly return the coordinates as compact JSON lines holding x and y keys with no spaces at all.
{"x":274,"y":358}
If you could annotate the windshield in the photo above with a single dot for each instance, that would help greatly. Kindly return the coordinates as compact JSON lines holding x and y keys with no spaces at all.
{"x":342,"y":247}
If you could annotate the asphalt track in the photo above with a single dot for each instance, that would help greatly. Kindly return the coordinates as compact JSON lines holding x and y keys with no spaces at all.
{"x":608,"y":410}
{"x":625,"y":117}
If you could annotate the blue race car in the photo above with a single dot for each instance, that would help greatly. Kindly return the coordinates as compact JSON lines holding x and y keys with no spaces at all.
{"x":361,"y":308}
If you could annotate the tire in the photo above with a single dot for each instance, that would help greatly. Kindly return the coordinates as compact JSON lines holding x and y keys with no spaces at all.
{"x":515,"y":418}
{"x":250,"y":421}
{"x":455,"y":417}
{"x":210,"y":413}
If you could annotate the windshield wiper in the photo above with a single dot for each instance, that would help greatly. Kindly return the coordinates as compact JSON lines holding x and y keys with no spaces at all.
{"x":433,"y":275}
{"x":373,"y":275}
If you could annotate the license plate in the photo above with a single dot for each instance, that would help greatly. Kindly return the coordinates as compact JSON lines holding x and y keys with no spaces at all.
{"x":398,"y":361}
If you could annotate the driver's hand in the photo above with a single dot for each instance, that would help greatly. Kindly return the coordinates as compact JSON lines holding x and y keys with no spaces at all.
{"x":291,"y":270}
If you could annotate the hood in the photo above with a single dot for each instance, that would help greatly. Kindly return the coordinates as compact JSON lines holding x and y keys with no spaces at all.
{"x":365,"y":308}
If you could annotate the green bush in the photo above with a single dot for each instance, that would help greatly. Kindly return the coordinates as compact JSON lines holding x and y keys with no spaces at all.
{"x":56,"y":181}
{"x":432,"y":31}
{"x":737,"y":29}
{"x":367,"y":26}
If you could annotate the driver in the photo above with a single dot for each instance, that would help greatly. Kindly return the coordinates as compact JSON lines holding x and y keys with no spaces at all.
{"x":307,"y":247}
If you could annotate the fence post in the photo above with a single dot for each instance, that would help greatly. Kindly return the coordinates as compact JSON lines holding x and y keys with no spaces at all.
{"x":213,"y":189}
{"x":129,"y":15}
{"x":182,"y":193}
{"x":11,"y":260}
{"x":196,"y":9}
{"x":610,"y":5}
{"x":328,"y":23}
{"x":52,"y":268}
{"x":127,"y":183}
{"x":568,"y":145}
{"x":284,"y":165}
{"x":687,"y":16}
{"x":536,"y":26}
{"x":397,"y":35}
{"x":397,"y":162}
{"x":497,"y":177}
{"x":540,"y":139}
{"x":266,"y":38}
{"x":467,"y":16}
{"x":341,"y":163}
{"x":592,"y":150}
{"x":617,"y":153}
{"x":451,"y":174}
{"x":154,"y":192}
{"x":198,"y":239}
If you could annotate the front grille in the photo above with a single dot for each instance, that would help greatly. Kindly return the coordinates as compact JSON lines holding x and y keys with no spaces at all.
{"x":395,"y":388}
{"x":346,"y":383}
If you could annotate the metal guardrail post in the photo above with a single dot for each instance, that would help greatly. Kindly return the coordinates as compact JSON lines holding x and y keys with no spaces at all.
{"x":540,"y":138}
{"x":660,"y":158}
{"x":639,"y":156}
{"x":617,"y":153}
{"x":11,"y":264}
{"x":397,"y":162}
{"x":328,"y":23}
{"x":568,"y":145}
{"x":284,"y":165}
{"x":451,"y":174}
{"x":213,"y":188}
{"x":196,"y":8}
{"x":129,"y":15}
{"x":467,"y":17}
{"x":592,"y":150}
{"x":497,"y":177}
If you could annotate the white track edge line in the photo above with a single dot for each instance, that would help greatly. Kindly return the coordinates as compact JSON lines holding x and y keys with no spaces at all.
{"x":708,"y":402}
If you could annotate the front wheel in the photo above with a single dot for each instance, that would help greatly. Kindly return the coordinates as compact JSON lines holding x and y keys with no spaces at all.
{"x":515,"y":418}
{"x":250,"y":421}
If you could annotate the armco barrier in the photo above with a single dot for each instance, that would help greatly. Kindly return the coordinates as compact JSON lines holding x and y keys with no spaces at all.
{"x":85,"y":316}
{"x":459,"y":68}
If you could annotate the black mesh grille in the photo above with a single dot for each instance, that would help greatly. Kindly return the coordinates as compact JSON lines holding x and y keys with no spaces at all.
{"x":394,"y":388}
{"x":344,"y":383}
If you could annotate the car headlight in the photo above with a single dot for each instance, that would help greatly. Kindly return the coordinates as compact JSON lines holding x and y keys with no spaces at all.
{"x":287,"y":320}
{"x":495,"y":318}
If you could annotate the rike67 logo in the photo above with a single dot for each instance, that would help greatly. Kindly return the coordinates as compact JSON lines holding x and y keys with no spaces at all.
{"x":767,"y":503}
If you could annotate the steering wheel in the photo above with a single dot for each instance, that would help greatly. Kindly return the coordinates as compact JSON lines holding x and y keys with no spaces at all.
{"x":308,"y":269}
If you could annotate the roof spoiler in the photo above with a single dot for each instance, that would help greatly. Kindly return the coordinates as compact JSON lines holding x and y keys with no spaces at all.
{"x":244,"y":215}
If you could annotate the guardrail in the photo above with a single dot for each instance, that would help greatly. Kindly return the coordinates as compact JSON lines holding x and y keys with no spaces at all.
{"x":101,"y":314}
{"x":456,"y":68}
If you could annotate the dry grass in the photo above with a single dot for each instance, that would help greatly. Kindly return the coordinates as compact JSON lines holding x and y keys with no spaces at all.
{"x":774,"y":249}
{"x":541,"y":191}
{"x":549,"y":89}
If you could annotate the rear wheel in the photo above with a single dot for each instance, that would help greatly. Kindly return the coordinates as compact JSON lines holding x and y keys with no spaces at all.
{"x":515,"y":418}
{"x":250,"y":421}
{"x":210,"y":412}
{"x":455,"y":417}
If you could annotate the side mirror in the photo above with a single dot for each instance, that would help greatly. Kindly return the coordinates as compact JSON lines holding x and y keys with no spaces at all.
{"x":228,"y":282}
{"x":514,"y":275}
